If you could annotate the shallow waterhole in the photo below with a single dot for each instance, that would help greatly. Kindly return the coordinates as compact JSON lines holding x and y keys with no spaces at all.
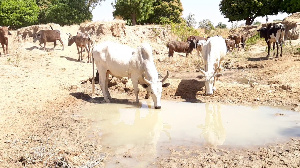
{"x":145,"y":132}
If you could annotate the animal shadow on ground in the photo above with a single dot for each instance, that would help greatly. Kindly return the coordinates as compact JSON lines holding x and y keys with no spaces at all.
{"x":188,"y":88}
{"x":99,"y":100}
{"x":70,"y":59}
{"x":258,"y":59}
{"x":32,"y":48}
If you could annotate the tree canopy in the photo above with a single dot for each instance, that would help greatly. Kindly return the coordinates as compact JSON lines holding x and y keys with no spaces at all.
{"x":66,"y":12}
{"x":291,"y":6}
{"x":18,"y":13}
{"x":166,"y":12}
{"x":236,"y":10}
{"x":221,"y":25}
{"x":134,"y":11}
{"x":190,"y":20}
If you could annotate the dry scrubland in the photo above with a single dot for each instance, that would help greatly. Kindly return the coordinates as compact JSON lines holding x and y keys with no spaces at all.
{"x":43,"y":92}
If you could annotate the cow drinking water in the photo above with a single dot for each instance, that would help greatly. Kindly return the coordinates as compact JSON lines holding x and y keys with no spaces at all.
{"x":123,"y":61}
{"x":213,"y":51}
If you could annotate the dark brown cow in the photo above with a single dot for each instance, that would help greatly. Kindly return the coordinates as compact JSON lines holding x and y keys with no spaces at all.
{"x":82,"y":40}
{"x":180,"y":46}
{"x":4,"y":38}
{"x":44,"y":36}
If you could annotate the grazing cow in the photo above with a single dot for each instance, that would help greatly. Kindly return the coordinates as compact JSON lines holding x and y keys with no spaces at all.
{"x":214,"y":50}
{"x":4,"y":38}
{"x":44,"y":36}
{"x":123,"y":61}
{"x":82,"y":40}
{"x":273,"y":34}
{"x":180,"y":46}
{"x":230,"y":44}
{"x":239,"y":39}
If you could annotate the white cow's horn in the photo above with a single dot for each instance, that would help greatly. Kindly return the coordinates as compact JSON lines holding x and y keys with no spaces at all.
{"x":202,"y":71}
{"x":147,"y":81}
{"x":162,"y":81}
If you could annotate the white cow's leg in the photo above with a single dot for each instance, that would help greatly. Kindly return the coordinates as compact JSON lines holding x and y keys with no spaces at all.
{"x":106,"y":85}
{"x":136,"y":88}
{"x":102,"y":82}
{"x":148,"y":94}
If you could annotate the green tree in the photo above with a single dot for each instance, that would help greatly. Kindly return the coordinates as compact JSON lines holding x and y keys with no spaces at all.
{"x":236,"y":10}
{"x":66,"y":12}
{"x":43,"y":5}
{"x":93,"y":3}
{"x":134,"y":11}
{"x":190,"y":20}
{"x":18,"y":13}
{"x":221,"y":25}
{"x":206,"y":24}
{"x":291,"y":6}
{"x":166,"y":12}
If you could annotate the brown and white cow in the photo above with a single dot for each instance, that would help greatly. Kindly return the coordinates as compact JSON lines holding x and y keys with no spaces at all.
{"x":82,"y":40}
{"x":238,"y":39}
{"x":230,"y":44}
{"x":273,"y":34}
{"x":197,"y":38}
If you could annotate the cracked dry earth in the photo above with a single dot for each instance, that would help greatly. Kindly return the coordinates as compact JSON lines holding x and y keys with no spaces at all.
{"x":43,"y":93}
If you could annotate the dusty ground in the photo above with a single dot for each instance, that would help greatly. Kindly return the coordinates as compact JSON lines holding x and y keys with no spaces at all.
{"x":43,"y":92}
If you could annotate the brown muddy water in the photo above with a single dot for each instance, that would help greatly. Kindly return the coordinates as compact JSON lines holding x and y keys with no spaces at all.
{"x":142,"y":133}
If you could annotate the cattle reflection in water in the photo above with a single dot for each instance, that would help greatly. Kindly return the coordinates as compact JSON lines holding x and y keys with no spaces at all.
{"x":130,"y":132}
{"x":213,"y":130}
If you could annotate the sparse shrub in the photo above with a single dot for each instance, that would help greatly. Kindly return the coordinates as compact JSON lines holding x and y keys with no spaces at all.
{"x":182,"y":31}
{"x":253,"y":40}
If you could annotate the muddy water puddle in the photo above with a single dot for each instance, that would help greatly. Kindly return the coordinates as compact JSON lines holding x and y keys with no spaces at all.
{"x":141,"y":132}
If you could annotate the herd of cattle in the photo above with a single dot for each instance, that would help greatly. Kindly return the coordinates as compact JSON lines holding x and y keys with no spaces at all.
{"x":137,"y":63}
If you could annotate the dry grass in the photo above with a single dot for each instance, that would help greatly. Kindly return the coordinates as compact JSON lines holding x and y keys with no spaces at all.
{"x":179,"y":63}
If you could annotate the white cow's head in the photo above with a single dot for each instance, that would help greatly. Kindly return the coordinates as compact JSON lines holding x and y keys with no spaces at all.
{"x":210,"y":79}
{"x":155,"y":89}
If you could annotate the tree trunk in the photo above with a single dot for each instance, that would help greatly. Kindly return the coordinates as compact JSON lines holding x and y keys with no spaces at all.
{"x":133,"y":19}
{"x":250,"y":20}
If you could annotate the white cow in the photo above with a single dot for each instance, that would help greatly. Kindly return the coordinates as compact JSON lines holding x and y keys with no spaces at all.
{"x":213,"y":51}
{"x":123,"y":61}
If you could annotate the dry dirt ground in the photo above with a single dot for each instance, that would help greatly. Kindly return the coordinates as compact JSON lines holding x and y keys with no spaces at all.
{"x":43,"y":92}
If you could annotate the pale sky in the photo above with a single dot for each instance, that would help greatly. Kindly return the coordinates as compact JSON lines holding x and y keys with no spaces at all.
{"x":200,"y":8}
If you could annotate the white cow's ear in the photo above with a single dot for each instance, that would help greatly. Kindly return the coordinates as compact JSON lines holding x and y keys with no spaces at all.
{"x":165,"y":84}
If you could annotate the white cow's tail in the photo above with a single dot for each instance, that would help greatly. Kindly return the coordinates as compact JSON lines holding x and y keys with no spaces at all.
{"x":93,"y":80}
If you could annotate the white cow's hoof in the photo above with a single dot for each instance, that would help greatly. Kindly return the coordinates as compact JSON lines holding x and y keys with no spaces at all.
{"x":106,"y":101}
